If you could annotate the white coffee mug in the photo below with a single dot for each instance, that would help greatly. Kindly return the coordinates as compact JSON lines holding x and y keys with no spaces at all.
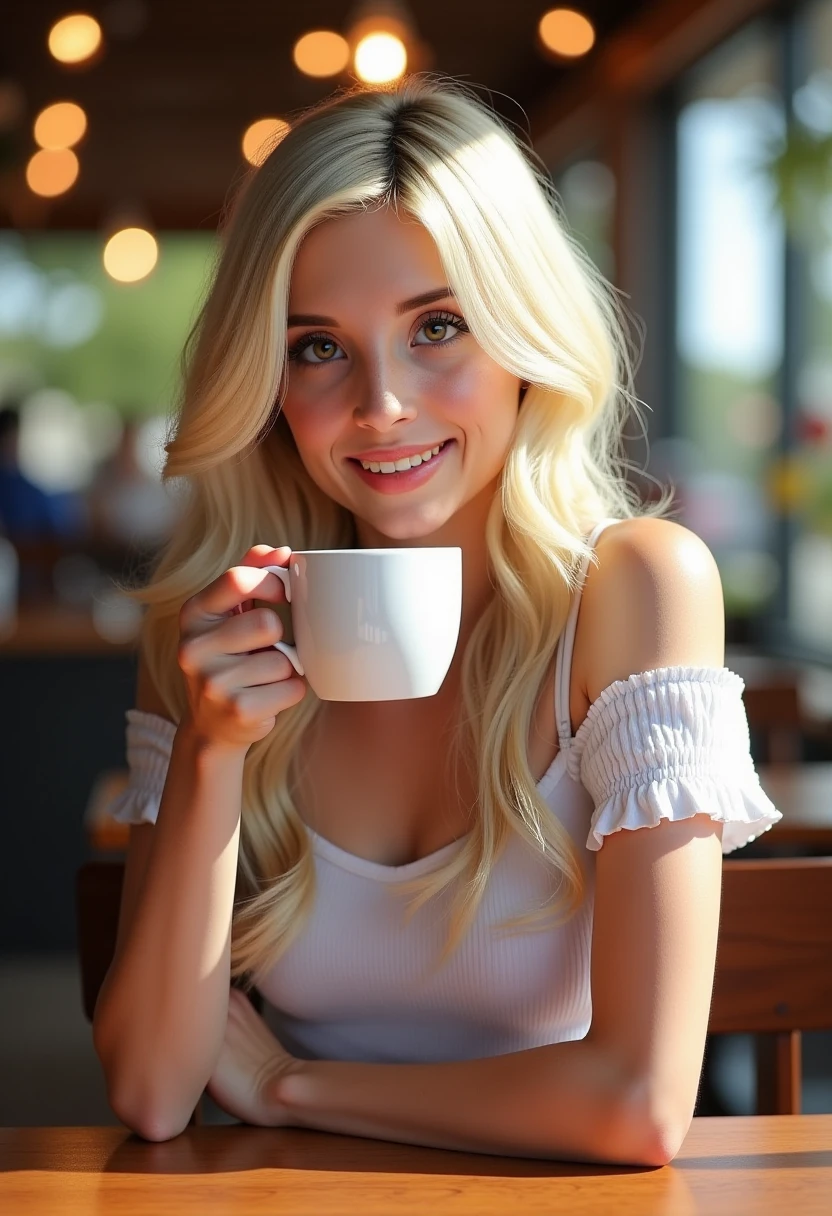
{"x":373,"y":624}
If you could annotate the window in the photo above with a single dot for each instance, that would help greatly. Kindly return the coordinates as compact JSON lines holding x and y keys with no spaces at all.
{"x":729,"y":305}
{"x":586,"y":188}
{"x":80,"y":352}
{"x":808,"y":473}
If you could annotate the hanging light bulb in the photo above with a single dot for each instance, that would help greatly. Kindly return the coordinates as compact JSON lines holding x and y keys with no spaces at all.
{"x":74,"y":38}
{"x":321,"y":53}
{"x":566,"y":33}
{"x":51,"y":171}
{"x":384,"y":41}
{"x":130,"y":255}
{"x":60,"y":125}
{"x":380,"y":57}
{"x":261,"y":137}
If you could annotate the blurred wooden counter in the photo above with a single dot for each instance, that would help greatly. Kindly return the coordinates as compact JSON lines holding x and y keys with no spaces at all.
{"x":45,"y":629}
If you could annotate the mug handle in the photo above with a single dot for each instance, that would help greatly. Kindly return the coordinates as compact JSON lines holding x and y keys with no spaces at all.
{"x":290,"y":651}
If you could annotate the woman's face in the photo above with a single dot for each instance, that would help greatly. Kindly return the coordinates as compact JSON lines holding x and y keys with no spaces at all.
{"x":381,"y":368}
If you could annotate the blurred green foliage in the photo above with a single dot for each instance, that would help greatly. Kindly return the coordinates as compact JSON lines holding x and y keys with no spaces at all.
{"x":132,"y":362}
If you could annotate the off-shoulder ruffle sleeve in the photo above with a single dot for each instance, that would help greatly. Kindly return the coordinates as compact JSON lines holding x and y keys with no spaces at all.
{"x":668,"y":744}
{"x":149,"y":744}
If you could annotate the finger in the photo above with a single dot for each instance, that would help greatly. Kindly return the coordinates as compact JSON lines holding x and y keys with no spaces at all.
{"x":252,"y":671}
{"x":268,"y":700}
{"x":234,"y":587}
{"x":241,"y":633}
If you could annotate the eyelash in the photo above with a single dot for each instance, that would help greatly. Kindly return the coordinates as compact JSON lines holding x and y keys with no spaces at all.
{"x":449,"y":318}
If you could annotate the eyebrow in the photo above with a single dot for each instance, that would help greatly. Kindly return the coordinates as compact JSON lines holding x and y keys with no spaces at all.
{"x":427,"y":297}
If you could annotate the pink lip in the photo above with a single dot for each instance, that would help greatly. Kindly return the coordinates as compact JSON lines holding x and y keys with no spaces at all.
{"x":387,"y":454}
{"x":411,"y":479}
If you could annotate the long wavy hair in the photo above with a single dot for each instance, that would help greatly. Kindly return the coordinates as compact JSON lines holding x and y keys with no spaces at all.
{"x":537,"y":304}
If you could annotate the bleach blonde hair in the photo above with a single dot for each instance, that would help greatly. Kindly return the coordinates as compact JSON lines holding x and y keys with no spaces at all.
{"x":539,"y":307}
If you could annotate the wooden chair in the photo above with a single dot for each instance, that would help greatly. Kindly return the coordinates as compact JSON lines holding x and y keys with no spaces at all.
{"x":774,"y":966}
{"x":776,"y":720}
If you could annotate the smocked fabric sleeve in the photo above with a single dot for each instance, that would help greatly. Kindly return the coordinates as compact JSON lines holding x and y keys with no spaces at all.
{"x":668,"y":744}
{"x":149,"y":744}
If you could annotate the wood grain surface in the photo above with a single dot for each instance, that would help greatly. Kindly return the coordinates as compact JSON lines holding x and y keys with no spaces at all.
{"x":752,"y":1166}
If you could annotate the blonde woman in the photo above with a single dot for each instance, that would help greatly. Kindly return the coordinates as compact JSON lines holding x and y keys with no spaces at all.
{"x":484,"y":920}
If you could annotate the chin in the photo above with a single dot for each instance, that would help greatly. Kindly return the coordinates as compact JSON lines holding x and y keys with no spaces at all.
{"x":409,"y":528}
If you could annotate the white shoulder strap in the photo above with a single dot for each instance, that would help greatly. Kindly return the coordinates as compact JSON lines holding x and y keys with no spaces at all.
{"x":566,"y":642}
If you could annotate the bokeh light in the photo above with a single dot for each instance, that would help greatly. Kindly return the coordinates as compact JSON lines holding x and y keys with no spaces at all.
{"x":261,"y":137}
{"x":130,"y":255}
{"x":60,"y":125}
{"x":566,"y":32}
{"x":379,"y":58}
{"x":74,"y":38}
{"x":321,"y":53}
{"x":51,"y":172}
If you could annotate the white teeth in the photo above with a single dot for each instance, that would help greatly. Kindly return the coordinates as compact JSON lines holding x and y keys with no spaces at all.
{"x":401,"y":466}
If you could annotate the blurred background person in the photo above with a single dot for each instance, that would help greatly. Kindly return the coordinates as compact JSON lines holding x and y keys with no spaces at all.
{"x":129,"y":506}
{"x":27,"y":511}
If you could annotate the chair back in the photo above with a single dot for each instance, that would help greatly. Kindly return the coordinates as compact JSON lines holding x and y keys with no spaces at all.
{"x":776,"y":720}
{"x":97,"y":901}
{"x":774,"y":966}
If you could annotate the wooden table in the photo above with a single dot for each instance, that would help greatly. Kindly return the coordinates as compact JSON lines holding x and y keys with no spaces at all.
{"x":727,"y":1167}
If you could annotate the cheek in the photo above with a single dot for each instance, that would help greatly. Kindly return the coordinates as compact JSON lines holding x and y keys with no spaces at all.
{"x":310,"y":425}
{"x":485,"y":399}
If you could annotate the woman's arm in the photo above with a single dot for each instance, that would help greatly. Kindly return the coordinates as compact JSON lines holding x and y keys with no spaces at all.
{"x":626,"y":1092}
{"x":161,"y":1013}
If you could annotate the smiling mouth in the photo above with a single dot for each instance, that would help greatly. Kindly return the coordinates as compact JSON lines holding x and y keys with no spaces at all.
{"x":387,"y":467}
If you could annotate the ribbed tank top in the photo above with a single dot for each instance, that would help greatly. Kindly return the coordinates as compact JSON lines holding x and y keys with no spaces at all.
{"x":358,"y":984}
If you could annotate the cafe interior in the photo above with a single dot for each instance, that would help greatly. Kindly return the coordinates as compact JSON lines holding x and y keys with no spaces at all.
{"x":690,"y":144}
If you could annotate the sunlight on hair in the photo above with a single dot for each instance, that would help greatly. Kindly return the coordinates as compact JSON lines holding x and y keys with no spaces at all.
{"x":539,"y":307}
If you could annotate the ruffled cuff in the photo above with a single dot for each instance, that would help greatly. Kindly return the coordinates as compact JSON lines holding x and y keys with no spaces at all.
{"x":746,"y":811}
{"x":149,"y":744}
{"x":671,"y":743}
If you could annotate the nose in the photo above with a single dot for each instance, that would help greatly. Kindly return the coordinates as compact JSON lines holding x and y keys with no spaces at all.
{"x":381,"y":405}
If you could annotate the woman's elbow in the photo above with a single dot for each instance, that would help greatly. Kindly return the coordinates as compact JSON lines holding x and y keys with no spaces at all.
{"x":147,"y":1121}
{"x":655,"y":1127}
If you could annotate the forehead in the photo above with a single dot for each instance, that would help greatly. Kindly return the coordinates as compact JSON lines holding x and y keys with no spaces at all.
{"x":367,"y":255}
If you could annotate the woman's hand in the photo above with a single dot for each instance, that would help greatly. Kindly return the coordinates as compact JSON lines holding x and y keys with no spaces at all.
{"x":250,"y":1067}
{"x":236,"y":682}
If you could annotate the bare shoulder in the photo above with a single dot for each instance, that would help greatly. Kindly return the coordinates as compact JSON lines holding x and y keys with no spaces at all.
{"x":654,"y":600}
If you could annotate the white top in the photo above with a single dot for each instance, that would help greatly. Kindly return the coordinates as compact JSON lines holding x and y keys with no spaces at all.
{"x":663,"y":744}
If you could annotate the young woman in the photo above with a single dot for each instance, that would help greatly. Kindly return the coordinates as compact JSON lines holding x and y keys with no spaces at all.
{"x":395,"y":280}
